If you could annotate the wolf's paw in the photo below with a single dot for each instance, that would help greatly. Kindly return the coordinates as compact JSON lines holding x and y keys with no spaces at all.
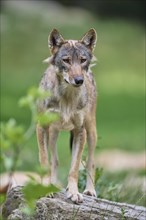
{"x":76,"y":197}
{"x":90,"y":192}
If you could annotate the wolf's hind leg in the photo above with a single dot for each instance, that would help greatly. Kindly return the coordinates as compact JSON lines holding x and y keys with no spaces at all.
{"x":91,"y":139}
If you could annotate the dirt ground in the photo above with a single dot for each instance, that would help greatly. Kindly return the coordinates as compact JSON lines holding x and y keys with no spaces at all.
{"x":116,"y":160}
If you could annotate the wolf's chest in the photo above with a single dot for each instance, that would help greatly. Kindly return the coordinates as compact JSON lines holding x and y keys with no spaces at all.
{"x":69,"y":114}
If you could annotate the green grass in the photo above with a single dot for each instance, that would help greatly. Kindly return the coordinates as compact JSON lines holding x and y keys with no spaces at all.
{"x":119,"y":74}
{"x":119,"y":185}
{"x":122,"y":121}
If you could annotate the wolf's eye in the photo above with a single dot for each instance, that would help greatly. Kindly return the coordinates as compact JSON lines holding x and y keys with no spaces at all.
{"x":83,"y":60}
{"x":66,"y":60}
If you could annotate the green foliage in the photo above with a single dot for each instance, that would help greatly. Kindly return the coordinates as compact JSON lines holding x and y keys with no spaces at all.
{"x":113,"y":191}
{"x":13,"y":139}
{"x":11,"y":134}
{"x":47,"y":118}
{"x":2,"y":198}
{"x":32,"y":96}
{"x":123,"y":212}
{"x":33,"y":191}
{"x":83,"y":176}
{"x":82,"y":180}
{"x":98,"y":174}
{"x":104,"y":188}
{"x":113,"y":187}
{"x":30,"y":100}
{"x":43,"y":171}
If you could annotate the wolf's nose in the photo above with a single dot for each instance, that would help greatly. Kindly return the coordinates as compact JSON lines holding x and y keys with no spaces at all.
{"x":79,"y":80}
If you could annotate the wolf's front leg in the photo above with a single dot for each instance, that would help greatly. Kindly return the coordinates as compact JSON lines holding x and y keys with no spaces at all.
{"x":42,"y":138}
{"x":53,"y":134}
{"x":78,"y":145}
{"x":42,"y":145}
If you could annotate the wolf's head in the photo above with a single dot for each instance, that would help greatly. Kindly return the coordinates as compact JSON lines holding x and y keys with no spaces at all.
{"x":72,"y":57}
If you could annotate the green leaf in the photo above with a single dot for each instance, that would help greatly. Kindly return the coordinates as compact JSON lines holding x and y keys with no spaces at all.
{"x":26,"y":101}
{"x":11,"y":133}
{"x":47,"y":118}
{"x":5,"y":144}
{"x":33,"y":94}
{"x":8,"y":162}
{"x":42,"y":171}
{"x":38,"y":93}
{"x":82,"y":179}
{"x":98,"y":174}
{"x":33,"y":191}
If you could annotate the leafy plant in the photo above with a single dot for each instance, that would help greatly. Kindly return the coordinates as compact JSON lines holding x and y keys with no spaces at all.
{"x":11,"y":138}
{"x":104,"y":188}
{"x":14,"y":138}
{"x":82,"y":179}
{"x":123,"y":214}
{"x":33,"y":191}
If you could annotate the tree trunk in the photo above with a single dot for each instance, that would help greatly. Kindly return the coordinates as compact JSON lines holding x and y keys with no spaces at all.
{"x":61,"y":208}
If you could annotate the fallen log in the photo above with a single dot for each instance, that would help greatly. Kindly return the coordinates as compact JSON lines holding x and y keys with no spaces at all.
{"x":61,"y":208}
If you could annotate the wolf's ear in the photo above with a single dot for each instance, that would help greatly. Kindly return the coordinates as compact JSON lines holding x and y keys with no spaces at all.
{"x":89,"y":39}
{"x":55,"y":40}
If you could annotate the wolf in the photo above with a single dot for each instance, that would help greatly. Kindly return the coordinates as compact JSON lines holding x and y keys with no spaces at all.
{"x":73,"y":96}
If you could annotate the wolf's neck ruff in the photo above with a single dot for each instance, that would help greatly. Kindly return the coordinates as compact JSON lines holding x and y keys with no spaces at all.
{"x":69,"y":100}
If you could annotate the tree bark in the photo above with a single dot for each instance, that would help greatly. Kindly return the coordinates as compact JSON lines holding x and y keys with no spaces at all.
{"x":61,"y":208}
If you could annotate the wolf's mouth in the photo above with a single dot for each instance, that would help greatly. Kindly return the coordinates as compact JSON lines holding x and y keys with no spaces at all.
{"x":74,"y":85}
